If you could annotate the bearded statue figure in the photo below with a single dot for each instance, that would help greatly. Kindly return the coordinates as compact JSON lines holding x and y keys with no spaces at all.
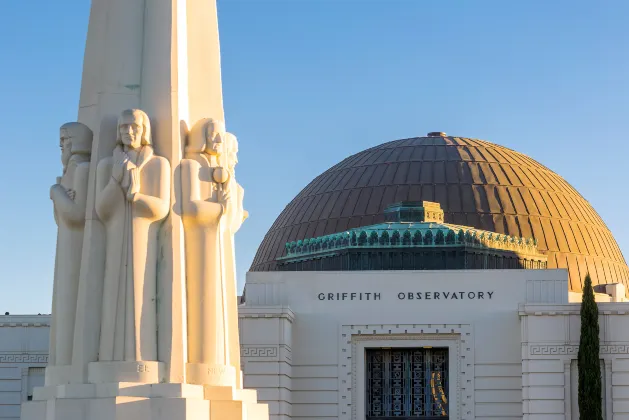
{"x":229,"y":226}
{"x":132,"y":199}
{"x":69,"y":196}
{"x":208,"y":208}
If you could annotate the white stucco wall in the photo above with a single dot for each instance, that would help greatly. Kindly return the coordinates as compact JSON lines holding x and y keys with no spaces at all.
{"x":512,"y":356}
{"x":323,"y":369}
{"x":23,"y":357}
{"x":550,"y":347}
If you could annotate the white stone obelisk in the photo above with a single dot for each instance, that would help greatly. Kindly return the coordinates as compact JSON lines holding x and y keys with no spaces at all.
{"x":161,"y":57}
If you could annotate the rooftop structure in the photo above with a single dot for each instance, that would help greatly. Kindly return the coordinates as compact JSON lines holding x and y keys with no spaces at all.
{"x":479,"y":185}
{"x":413,"y":237}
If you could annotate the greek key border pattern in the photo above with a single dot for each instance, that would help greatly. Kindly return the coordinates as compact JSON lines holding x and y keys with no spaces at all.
{"x":258,"y":352}
{"x":23,"y":358}
{"x":573,"y":350}
{"x":464,"y":358}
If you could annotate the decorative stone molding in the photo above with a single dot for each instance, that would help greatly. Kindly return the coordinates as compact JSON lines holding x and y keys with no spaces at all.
{"x":258,"y":352}
{"x":267,"y":316}
{"x":40,"y":323}
{"x":464,"y":357}
{"x":417,"y":234}
{"x":265,"y":312}
{"x":553,"y":350}
{"x":615,"y":349}
{"x":265,"y":352}
{"x":605,"y":308}
{"x":573,"y":350}
{"x":23,"y":358}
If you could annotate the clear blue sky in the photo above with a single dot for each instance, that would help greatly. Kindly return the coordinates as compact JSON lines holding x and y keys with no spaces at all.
{"x":309,"y":82}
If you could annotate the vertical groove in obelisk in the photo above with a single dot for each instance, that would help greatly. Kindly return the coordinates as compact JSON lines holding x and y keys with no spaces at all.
{"x":160,"y":99}
{"x":204,"y":63}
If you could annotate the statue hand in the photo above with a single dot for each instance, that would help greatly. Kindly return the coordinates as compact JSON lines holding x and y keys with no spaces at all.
{"x":54,"y":187}
{"x":71,"y":194}
{"x":224,"y":196}
{"x":134,"y":186}
{"x":117,"y":171}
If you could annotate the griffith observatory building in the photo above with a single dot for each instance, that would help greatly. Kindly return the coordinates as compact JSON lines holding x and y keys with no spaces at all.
{"x":434,"y":277}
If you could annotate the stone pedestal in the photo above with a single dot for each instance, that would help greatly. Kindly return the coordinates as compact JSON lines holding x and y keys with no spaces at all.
{"x":133,"y":401}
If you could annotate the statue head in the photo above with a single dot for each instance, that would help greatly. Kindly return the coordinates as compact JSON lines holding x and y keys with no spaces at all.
{"x":206,"y":136}
{"x":75,"y":138}
{"x":134,"y":129}
{"x":214,"y":138}
{"x":231,"y":151}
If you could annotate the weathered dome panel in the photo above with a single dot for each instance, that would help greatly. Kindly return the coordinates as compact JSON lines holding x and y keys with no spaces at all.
{"x":477,"y":183}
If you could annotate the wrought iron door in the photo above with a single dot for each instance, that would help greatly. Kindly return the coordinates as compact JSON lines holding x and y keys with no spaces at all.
{"x":407,"y":383}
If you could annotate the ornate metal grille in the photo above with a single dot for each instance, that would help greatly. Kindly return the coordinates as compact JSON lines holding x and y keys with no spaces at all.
{"x":407,"y":384}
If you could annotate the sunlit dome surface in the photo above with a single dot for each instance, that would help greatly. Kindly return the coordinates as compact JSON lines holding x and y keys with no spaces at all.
{"x":477,"y":183}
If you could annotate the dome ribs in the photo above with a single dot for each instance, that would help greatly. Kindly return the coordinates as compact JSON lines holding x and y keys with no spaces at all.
{"x":350,"y":205}
{"x":477,"y":183}
{"x":560,"y":236}
{"x":355,"y":178}
{"x":362,"y":202}
{"x":389,"y":173}
{"x":558,"y":203}
{"x":415,"y":193}
{"x":572,"y":241}
{"x":339,"y":183}
{"x":454,"y":199}
{"x":400,"y":173}
{"x":413,"y":173}
{"x":487,"y":174}
{"x":382,"y":157}
{"x":401,"y":194}
{"x":378,"y":175}
{"x":366,"y":176}
{"x":307,"y":209}
{"x":428,"y":192}
{"x":426,"y":173}
{"x":417,"y":154}
{"x":375,"y":201}
{"x":439,"y":174}
{"x":475,"y":173}
{"x":452,"y":172}
{"x":321,"y":206}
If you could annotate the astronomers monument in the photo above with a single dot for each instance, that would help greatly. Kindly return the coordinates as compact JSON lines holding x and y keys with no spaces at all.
{"x":145,"y":321}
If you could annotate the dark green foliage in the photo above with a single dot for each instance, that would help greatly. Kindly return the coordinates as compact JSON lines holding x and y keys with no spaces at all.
{"x":590,"y":404}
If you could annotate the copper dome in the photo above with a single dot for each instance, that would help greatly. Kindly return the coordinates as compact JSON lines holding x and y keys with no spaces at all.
{"x":477,"y":183}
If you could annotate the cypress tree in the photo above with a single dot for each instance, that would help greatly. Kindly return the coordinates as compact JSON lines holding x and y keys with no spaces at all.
{"x":590,"y":405}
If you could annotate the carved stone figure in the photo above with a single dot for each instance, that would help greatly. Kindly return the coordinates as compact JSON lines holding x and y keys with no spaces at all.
{"x":69,"y":195}
{"x":236,"y":215}
{"x":132,"y":198}
{"x":205,"y":203}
